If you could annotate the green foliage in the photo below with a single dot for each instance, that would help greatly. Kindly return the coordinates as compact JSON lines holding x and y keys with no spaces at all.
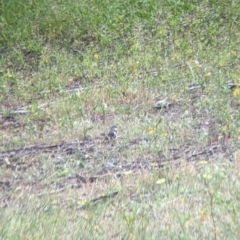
{"x":65,"y":21}
{"x":71,"y":69}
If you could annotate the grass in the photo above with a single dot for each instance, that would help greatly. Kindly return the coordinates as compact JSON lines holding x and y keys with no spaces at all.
{"x":70,"y":70}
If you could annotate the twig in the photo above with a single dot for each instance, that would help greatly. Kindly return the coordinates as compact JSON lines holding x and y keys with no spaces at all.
{"x":98,"y":199}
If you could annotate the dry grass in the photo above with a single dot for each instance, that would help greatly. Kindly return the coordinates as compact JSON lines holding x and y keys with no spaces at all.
{"x":158,"y":72}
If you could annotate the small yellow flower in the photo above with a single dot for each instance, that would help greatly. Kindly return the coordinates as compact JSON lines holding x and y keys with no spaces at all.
{"x":216,"y":232}
{"x":205,"y":216}
{"x":81,"y":202}
{"x":161,"y":181}
{"x":154,"y":164}
{"x":203,"y":162}
{"x":151,"y":130}
{"x":164,"y":134}
{"x":208,"y":74}
{"x":131,"y":237}
{"x":135,"y":70}
{"x":176,"y":56}
{"x":96,"y":227}
{"x":225,"y":164}
{"x":9,"y":73}
{"x":207,"y":176}
{"x":96,"y":56}
{"x":236,"y":92}
{"x":197,"y":63}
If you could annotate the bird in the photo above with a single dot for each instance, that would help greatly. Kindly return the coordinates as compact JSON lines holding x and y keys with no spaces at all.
{"x":112,"y":134}
{"x":231,"y":85}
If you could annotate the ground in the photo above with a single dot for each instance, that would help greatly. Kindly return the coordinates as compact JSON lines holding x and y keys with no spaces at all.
{"x":166,"y":74}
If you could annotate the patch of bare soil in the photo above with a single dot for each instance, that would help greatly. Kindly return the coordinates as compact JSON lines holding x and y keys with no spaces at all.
{"x":58,"y":167}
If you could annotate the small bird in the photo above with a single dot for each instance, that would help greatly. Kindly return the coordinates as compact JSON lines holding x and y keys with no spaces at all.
{"x":231,"y":85}
{"x":112,"y":133}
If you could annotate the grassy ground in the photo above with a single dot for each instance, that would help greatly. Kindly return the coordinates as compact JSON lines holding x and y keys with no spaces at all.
{"x":160,"y":71}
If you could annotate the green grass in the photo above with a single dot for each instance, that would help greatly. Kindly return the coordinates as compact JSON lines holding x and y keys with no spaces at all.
{"x":71,"y":69}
